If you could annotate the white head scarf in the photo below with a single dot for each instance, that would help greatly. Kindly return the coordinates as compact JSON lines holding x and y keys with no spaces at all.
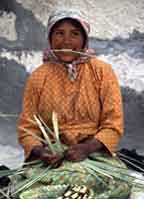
{"x":60,"y":14}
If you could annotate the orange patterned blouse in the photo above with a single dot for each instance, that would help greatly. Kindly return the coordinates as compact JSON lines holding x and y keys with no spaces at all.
{"x":89,"y":106}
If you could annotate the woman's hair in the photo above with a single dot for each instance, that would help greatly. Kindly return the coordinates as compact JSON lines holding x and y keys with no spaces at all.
{"x":73,"y":22}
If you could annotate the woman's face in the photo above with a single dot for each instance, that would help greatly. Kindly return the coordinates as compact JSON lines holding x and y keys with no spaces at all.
{"x":67,"y":36}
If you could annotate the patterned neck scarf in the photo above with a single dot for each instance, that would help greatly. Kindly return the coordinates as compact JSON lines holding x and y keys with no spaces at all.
{"x":49,"y":55}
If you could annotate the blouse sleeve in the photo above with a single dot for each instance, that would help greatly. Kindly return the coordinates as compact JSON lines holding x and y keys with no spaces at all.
{"x":26,"y":123}
{"x":110,"y":129}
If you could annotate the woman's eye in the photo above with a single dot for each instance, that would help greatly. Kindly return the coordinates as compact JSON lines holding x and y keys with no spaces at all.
{"x":59,"y":33}
{"x":76,"y":33}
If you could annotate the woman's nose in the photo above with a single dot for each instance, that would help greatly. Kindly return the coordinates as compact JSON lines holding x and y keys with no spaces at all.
{"x":67,"y":39}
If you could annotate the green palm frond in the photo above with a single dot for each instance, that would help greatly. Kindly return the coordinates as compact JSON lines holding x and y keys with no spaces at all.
{"x":56,"y":131}
{"x":132,"y":164}
{"x":114,"y":172}
{"x":45,"y":134}
{"x":49,"y":131}
{"x":29,"y":182}
{"x":97,"y":169}
{"x":34,"y":135}
{"x":131,"y":161}
{"x":100,"y":165}
{"x":95,"y":174}
{"x":4,"y":194}
{"x":11,"y":172}
{"x":101,"y":168}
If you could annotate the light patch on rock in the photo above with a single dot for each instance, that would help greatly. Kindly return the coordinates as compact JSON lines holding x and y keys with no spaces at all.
{"x":108,"y":19}
{"x":40,"y":8}
{"x":11,"y":157}
{"x":30,"y":60}
{"x":129,"y":70}
{"x":137,"y":192}
{"x":7,"y":26}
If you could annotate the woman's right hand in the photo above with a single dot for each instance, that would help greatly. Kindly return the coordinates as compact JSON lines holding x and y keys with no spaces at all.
{"x":45,"y":155}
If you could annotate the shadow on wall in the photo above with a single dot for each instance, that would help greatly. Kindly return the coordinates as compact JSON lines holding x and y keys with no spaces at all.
{"x":6,"y":6}
{"x":134,"y":118}
{"x":31,"y":34}
{"x":12,"y":80}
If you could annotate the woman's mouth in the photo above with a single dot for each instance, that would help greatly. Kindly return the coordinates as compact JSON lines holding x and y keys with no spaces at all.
{"x":66,"y":50}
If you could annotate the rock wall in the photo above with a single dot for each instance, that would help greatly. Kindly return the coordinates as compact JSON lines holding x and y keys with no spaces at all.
{"x":117,"y":35}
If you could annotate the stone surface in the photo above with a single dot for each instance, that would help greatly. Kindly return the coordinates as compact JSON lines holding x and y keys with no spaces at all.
{"x":8,"y":32}
{"x":109,"y":18}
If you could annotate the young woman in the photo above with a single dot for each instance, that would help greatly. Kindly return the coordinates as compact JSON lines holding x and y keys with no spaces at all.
{"x":85,"y":94}
{"x":81,"y":89}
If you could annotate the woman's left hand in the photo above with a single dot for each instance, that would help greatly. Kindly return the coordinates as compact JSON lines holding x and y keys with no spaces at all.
{"x":76,"y":153}
{"x":80,"y":151}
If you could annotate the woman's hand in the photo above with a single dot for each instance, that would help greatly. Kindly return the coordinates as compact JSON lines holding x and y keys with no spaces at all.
{"x":45,"y":155}
{"x":81,"y":151}
{"x":76,"y":153}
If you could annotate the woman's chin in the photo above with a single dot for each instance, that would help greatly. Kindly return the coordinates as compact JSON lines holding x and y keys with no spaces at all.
{"x":68,"y":58}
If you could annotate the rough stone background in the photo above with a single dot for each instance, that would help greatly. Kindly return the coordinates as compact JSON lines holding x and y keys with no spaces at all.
{"x":117,"y":35}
